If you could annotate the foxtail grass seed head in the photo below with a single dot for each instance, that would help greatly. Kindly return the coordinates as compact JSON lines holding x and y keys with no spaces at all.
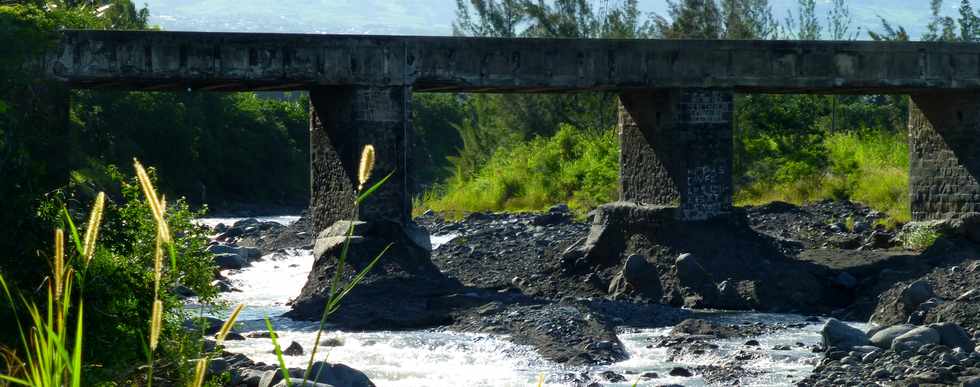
{"x":157,"y":263}
{"x":367,"y":164}
{"x":199,"y":372}
{"x":156,"y":323}
{"x":59,"y":262}
{"x":156,"y":205}
{"x":92,"y":231}
{"x":228,"y":324}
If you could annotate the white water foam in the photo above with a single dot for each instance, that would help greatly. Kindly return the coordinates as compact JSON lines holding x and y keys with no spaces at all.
{"x":436,"y":358}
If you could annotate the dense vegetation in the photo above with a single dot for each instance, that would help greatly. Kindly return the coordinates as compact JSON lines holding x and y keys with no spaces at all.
{"x":794,"y":148}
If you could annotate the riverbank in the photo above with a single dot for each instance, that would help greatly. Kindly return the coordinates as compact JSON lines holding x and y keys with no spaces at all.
{"x":516,"y":285}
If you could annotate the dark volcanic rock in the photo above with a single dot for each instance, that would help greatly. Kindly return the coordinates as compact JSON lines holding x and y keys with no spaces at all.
{"x":395,"y":294}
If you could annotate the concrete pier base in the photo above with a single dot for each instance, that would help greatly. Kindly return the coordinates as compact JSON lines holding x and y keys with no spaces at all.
{"x":676,"y":150}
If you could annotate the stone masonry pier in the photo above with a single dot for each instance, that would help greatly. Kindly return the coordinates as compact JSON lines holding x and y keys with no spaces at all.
{"x":675,"y":116}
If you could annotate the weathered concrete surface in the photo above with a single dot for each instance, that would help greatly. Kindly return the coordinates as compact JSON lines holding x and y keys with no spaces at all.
{"x":944,"y":154}
{"x":160,"y":60}
{"x":676,"y":150}
{"x":342,"y":121}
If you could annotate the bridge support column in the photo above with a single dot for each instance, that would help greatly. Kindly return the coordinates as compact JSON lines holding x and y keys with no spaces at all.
{"x":676,"y":150}
{"x":342,"y":121}
{"x":944,"y":155}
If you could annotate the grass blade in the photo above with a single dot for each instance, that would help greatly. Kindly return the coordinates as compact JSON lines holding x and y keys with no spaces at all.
{"x":275,"y":343}
{"x":72,"y":229}
{"x":369,"y":191}
{"x":226,"y":327}
{"x":335,"y":302}
{"x":76,"y":357}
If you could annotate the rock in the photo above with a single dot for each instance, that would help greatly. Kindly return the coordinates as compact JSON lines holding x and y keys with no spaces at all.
{"x":884,"y":337}
{"x":336,"y":235}
{"x":259,"y":335}
{"x":752,"y":343}
{"x":234,"y":336}
{"x":338,"y":375}
{"x":294,"y":349}
{"x":211,"y":325}
{"x":846,"y":280}
{"x":222,"y":249}
{"x":915,"y":294}
{"x":915,"y":339}
{"x":640,"y":275}
{"x":681,"y":371}
{"x":973,"y":381}
{"x":837,"y":334}
{"x":217,"y":366}
{"x":970,"y":295}
{"x":953,"y":336}
{"x":551,"y":219}
{"x":250,"y":253}
{"x":613,"y":377}
{"x":300,"y":382}
{"x":649,"y":375}
{"x":229,"y":261}
{"x":332,"y":342}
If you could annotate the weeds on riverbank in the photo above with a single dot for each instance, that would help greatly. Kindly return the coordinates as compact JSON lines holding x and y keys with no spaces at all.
{"x":870,"y":168}
{"x":581,"y":168}
{"x":130,"y":305}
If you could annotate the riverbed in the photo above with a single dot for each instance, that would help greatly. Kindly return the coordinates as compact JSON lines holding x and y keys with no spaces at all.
{"x":438,"y":357}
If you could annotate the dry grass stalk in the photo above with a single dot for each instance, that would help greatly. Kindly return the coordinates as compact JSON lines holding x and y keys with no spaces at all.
{"x":367,"y":165}
{"x":59,"y":262}
{"x":156,"y":324}
{"x":228,"y":324}
{"x":92,"y":231}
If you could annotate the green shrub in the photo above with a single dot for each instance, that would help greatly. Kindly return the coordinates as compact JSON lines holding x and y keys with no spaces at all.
{"x":574,"y":166}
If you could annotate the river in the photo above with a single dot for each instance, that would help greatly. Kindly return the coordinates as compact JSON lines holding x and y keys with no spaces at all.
{"x":439,"y":358}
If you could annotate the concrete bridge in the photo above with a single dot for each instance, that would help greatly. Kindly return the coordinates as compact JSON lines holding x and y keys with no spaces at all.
{"x":675,"y":116}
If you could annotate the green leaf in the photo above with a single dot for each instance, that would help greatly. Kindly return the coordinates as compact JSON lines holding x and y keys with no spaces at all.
{"x":73,"y":231}
{"x":373,"y":188}
{"x":275,"y":343}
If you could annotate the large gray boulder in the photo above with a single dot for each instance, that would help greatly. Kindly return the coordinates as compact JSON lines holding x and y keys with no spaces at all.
{"x":297,"y":382}
{"x":837,"y":334}
{"x":884,"y":337}
{"x":338,"y":375}
{"x":229,"y":261}
{"x":915,"y":294}
{"x":953,"y":336}
{"x":638,"y":275}
{"x":915,"y":339}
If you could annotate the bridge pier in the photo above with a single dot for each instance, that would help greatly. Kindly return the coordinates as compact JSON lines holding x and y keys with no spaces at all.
{"x":944,"y":154}
{"x":676,"y":150}
{"x":342,"y":121}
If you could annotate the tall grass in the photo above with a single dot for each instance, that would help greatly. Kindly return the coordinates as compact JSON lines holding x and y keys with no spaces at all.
{"x":870,"y":167}
{"x":574,"y":166}
{"x":53,"y":351}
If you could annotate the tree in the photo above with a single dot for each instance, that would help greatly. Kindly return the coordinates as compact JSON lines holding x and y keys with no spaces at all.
{"x":748,"y":19}
{"x":805,"y":25}
{"x":690,"y":19}
{"x":839,"y":21}
{"x":897,"y":34}
{"x":493,"y":18}
{"x":940,"y":28}
{"x":969,"y":23}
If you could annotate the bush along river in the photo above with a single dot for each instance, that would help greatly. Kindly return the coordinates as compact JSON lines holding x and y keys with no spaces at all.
{"x":755,"y":301}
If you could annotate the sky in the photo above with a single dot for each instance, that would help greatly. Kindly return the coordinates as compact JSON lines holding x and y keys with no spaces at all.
{"x":435,"y":17}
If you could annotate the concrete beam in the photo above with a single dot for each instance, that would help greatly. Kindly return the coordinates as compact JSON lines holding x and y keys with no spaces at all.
{"x":248,"y":61}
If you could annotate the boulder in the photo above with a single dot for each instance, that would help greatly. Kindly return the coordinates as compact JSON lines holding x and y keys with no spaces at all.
{"x":639,"y":275}
{"x":837,"y":334}
{"x":211,"y":325}
{"x":846,"y":280}
{"x":301,"y":382}
{"x":338,"y":375}
{"x":915,"y":339}
{"x":229,"y":261}
{"x":915,"y":294}
{"x":294,"y":349}
{"x":250,"y":253}
{"x":336,"y":235}
{"x":884,"y":337}
{"x":953,"y":336}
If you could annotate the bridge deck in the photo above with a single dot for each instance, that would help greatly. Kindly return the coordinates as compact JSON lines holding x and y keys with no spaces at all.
{"x":158,"y":60}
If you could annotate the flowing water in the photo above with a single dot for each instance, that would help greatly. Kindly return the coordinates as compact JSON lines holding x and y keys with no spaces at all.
{"x":440,"y":358}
